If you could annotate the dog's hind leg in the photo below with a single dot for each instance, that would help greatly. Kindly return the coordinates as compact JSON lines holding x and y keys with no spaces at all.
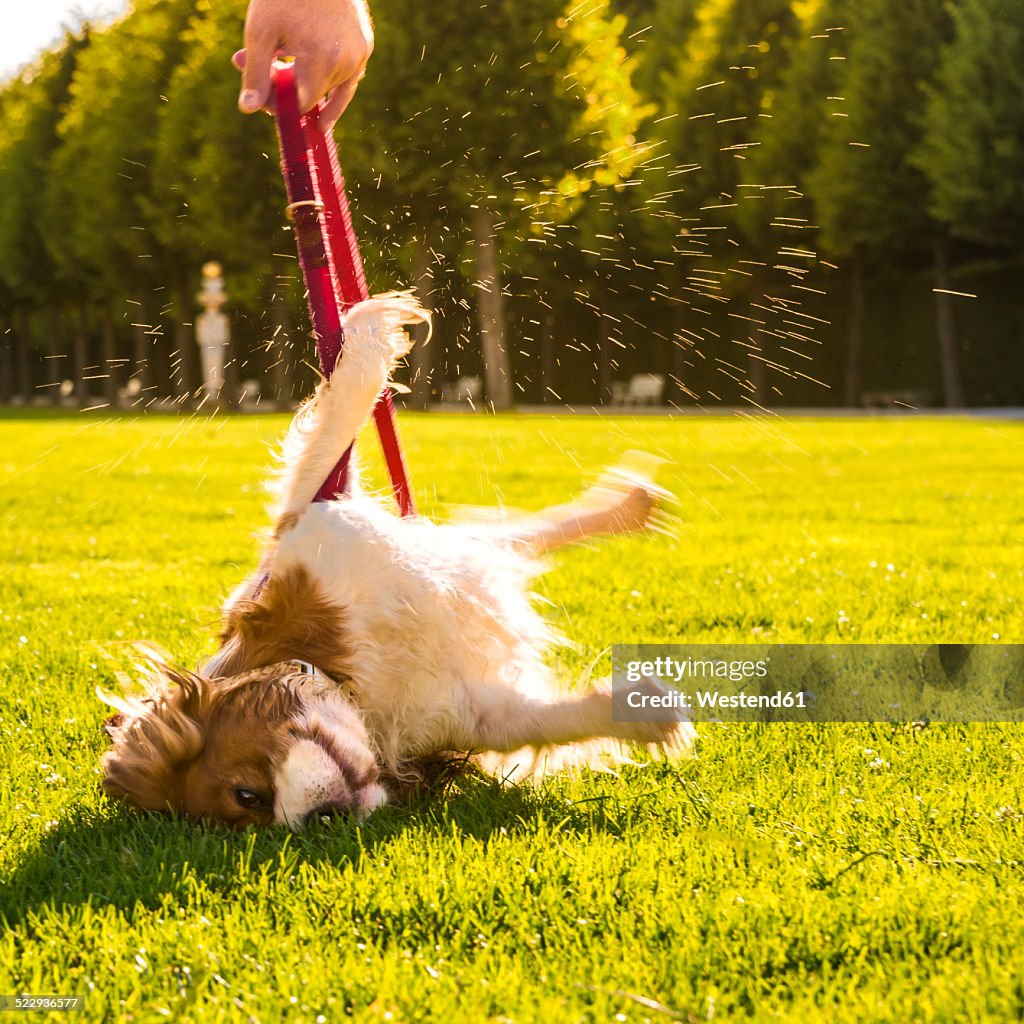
{"x":323,"y":429}
{"x":614,"y":505}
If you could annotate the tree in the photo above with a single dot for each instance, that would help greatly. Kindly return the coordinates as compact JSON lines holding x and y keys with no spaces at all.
{"x":775,"y":211}
{"x":972,"y":150}
{"x":676,"y":177}
{"x":712,"y":107}
{"x":592,"y":206}
{"x":870,"y":199}
{"x":100,"y":176}
{"x":495,"y":106}
{"x":217,"y":192}
{"x":32,"y":107}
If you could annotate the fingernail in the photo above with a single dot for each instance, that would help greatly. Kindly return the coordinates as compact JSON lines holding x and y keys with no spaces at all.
{"x":249,"y":101}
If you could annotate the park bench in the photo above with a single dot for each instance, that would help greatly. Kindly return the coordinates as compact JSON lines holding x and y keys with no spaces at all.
{"x":642,"y":389}
{"x":465,"y":390}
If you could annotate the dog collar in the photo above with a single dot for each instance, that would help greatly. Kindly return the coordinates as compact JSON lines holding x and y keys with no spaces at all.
{"x":307,"y":668}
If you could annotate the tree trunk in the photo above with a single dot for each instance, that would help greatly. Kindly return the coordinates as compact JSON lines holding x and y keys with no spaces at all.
{"x":236,"y":360}
{"x":491,"y":310}
{"x":605,"y":391}
{"x":54,"y":356}
{"x":758,"y":377}
{"x":678,"y":392}
{"x":756,"y":366}
{"x":231,"y":393}
{"x":421,"y":381}
{"x":604,"y":349}
{"x":191,"y":375}
{"x":142,"y":345}
{"x":952,"y":384}
{"x":6,"y":364}
{"x":81,"y":356}
{"x":23,"y":357}
{"x":110,"y":361}
{"x":280,"y":354}
{"x":855,"y":336}
{"x":548,"y":360}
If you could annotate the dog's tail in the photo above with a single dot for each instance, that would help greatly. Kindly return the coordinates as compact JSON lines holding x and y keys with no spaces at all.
{"x":322,"y":430}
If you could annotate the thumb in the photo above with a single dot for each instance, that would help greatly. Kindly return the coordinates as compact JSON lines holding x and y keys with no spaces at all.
{"x":337,"y":101}
{"x":255,"y":92}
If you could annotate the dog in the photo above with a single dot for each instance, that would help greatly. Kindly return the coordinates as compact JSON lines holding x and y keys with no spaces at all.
{"x":367,"y":646}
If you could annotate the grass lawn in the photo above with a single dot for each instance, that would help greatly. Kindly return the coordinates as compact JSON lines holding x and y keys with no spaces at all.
{"x":853,"y":873}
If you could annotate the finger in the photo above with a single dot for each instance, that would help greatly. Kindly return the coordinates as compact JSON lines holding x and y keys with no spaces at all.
{"x":260,"y":54}
{"x":337,"y":101}
{"x":312,"y":80}
{"x":238,"y":59}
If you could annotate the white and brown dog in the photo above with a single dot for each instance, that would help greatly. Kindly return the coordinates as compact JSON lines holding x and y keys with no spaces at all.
{"x":367,"y":645}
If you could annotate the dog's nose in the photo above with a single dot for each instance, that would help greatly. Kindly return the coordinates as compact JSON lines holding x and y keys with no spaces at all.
{"x":331,"y":809}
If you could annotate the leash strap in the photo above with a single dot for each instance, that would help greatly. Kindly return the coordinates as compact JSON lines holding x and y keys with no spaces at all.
{"x":331,"y":264}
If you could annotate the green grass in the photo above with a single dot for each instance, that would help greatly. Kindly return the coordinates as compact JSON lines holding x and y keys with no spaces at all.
{"x":853,"y":873}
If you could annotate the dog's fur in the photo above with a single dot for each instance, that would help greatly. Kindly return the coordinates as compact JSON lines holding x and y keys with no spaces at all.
{"x":423,"y":636}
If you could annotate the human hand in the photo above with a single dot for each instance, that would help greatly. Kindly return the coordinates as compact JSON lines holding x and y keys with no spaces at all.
{"x":331,"y":41}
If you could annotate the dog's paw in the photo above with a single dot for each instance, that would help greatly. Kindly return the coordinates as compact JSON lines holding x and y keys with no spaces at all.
{"x":674,"y":740}
{"x":633,"y":508}
{"x":628,"y":497}
{"x":667,"y":728}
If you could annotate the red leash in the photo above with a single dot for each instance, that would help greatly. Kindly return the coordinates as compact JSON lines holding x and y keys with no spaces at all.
{"x":331,"y":265}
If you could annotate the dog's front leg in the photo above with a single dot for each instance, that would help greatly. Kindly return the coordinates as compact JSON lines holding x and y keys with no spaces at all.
{"x":323,"y":430}
{"x":506,"y":721}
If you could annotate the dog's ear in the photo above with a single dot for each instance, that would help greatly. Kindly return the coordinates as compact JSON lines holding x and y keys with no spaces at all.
{"x":155,"y":739}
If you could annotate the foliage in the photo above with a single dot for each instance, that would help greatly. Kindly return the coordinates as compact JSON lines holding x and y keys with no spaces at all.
{"x":678,"y":168}
{"x":498,"y":98}
{"x":973,"y":149}
{"x":31,"y":107}
{"x":797,"y":109}
{"x":100,"y":174}
{"x":868,"y":194}
{"x":217,"y":190}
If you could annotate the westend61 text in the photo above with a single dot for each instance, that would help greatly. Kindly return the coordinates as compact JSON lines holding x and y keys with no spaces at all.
{"x":711,"y":699}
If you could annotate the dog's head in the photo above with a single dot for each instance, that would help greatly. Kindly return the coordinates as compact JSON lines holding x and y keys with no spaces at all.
{"x":270,"y":746}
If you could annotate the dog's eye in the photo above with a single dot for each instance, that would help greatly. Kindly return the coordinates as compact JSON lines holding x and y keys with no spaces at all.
{"x":251,"y":801}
